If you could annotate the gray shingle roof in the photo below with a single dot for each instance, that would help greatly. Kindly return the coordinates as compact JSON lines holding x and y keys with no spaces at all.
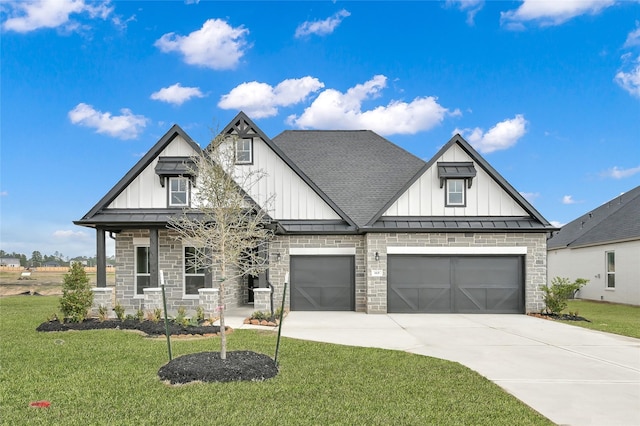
{"x":357,"y":169}
{"x":615,"y":220}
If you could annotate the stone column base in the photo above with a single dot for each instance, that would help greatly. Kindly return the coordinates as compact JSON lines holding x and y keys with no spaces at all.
{"x":102,"y":296}
{"x":261,"y":299}
{"x":209,"y":300}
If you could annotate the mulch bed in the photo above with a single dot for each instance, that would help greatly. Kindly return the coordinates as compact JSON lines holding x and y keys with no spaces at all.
{"x":564,"y":317}
{"x":208,"y":367}
{"x":148,"y":327}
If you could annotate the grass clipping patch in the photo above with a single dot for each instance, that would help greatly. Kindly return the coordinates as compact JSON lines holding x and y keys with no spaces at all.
{"x":208,"y":367}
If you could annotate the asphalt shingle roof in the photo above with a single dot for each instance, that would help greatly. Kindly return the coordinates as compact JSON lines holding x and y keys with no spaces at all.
{"x":357,"y":169}
{"x":615,"y":220}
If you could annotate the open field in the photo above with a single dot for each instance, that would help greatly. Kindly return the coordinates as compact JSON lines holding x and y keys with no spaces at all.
{"x":45,"y":282}
{"x":110,"y":377}
{"x":609,"y":317}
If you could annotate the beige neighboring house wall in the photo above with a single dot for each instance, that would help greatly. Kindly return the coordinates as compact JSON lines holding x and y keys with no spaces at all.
{"x":590,"y":263}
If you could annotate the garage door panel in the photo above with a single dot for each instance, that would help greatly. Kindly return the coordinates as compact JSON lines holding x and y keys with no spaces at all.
{"x":465,"y":284}
{"x":322,"y":283}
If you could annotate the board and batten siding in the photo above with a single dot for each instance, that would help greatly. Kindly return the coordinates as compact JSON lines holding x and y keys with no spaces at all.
{"x":294,"y":199}
{"x":145,"y":191}
{"x":425,"y":197}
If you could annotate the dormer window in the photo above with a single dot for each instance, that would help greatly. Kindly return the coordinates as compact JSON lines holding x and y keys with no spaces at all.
{"x":456,"y":177}
{"x":178,"y":191}
{"x":244,"y":151}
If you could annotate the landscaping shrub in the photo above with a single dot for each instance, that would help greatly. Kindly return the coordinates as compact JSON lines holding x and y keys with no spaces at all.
{"x":77,"y":296}
{"x":560,"y":291}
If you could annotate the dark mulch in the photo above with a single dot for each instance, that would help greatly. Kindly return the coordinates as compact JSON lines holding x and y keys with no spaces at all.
{"x":564,"y":317}
{"x":148,"y":327}
{"x":208,"y":367}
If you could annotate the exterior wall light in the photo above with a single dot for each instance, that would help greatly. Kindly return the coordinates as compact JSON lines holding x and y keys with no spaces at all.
{"x":376,"y":256}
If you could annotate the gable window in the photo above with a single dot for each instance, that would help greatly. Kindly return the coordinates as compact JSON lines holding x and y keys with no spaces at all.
{"x":178,"y":191}
{"x":455,"y":192}
{"x":244,"y":151}
{"x":611,"y":269}
{"x":193,"y":271}
{"x":142,"y":273}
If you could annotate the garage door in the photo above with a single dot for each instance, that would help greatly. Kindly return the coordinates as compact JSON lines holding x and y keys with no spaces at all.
{"x":459,"y":284}
{"x":322,"y":283}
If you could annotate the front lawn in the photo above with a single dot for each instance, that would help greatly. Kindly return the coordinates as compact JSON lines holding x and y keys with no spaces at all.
{"x":110,"y":377}
{"x":609,"y":317}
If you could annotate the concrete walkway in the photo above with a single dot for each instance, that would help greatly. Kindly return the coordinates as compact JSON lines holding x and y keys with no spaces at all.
{"x":571,"y":375}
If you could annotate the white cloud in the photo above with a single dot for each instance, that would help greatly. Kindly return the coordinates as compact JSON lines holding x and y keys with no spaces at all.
{"x":33,"y":15}
{"x":556,"y":223}
{"x":470,"y":6}
{"x":125,"y":126}
{"x":336,"y":110}
{"x":530,"y":196}
{"x":503,"y":135}
{"x":551,"y":12}
{"x":4,"y":193}
{"x":633,"y":39}
{"x":216,"y":45}
{"x":630,"y":80}
{"x":177,"y":94}
{"x":568,"y":199}
{"x":69,"y":234}
{"x":618,"y":173}
{"x":262,"y":100}
{"x":323,"y":27}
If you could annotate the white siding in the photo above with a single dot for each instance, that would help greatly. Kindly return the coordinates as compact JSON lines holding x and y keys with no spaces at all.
{"x":145,"y":191}
{"x":590,"y":263}
{"x":294,"y":199}
{"x":426,"y":198}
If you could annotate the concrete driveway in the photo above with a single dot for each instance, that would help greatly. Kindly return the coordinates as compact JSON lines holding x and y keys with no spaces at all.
{"x":571,"y":375}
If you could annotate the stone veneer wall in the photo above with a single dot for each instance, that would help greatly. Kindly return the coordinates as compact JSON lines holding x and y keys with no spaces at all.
{"x":170,"y":261}
{"x":535,"y":259}
{"x":282,"y":244}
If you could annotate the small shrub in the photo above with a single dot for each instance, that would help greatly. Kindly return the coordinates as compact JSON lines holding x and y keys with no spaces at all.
{"x":129,"y":317}
{"x":260,"y":315}
{"x":561,"y":290}
{"x":181,"y":317}
{"x":77,"y":296}
{"x":193,"y":321}
{"x":140,"y":315}
{"x":119,"y":310}
{"x":103,"y":313}
{"x":200,"y":313}
{"x":155,"y":315}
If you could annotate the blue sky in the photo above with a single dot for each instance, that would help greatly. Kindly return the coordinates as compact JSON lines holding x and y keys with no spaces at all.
{"x":547,"y":92}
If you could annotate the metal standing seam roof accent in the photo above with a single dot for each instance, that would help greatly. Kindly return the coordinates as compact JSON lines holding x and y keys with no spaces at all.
{"x":523,"y":224}
{"x":616,"y":220}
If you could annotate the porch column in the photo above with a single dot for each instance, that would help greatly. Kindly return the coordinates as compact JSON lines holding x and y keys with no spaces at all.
{"x":101,"y":253}
{"x":153,"y":258}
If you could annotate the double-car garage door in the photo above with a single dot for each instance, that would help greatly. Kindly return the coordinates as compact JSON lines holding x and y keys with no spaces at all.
{"x":457,"y":284}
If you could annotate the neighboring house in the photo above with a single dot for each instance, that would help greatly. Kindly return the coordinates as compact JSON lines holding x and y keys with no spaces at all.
{"x":51,"y":264}
{"x":602,"y":246}
{"x":361,"y":225}
{"x":10,"y":262}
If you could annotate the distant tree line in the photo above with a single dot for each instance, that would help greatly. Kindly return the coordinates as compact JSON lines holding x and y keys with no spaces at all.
{"x":57,"y":259}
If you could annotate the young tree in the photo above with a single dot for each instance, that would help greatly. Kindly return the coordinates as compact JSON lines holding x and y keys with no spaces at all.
{"x":224,"y":223}
{"x":77,"y":296}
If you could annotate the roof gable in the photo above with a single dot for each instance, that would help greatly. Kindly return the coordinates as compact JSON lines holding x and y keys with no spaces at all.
{"x":616,"y":220}
{"x":174,"y":132}
{"x":458,"y":151}
{"x":357,"y":169}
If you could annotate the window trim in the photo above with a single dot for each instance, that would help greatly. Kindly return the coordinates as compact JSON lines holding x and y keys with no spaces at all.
{"x":250,"y":151}
{"x":185,"y":275}
{"x":135,"y":270}
{"x":170,"y":192}
{"x":447,"y":201}
{"x":609,"y":273}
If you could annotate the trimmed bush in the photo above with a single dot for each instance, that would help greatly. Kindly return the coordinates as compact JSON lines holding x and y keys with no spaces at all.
{"x":560,"y":291}
{"x":77,"y":296}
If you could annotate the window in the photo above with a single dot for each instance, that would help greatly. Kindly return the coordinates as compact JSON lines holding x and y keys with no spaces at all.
{"x":611,"y":269}
{"x":455,"y":193}
{"x":244,"y":151}
{"x":143,"y":275}
{"x":193,"y":271}
{"x":178,"y":191}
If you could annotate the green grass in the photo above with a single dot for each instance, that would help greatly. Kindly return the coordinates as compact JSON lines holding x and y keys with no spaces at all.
{"x":110,"y":377}
{"x":609,"y":317}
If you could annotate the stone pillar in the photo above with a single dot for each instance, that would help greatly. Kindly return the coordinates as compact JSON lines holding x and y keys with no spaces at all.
{"x":209,"y":300}
{"x":102,"y":296}
{"x":261,"y":299}
{"x":152,"y":298}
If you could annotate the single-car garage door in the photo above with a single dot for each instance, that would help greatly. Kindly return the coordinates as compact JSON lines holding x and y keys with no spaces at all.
{"x":322,"y":283}
{"x":458,"y":284}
